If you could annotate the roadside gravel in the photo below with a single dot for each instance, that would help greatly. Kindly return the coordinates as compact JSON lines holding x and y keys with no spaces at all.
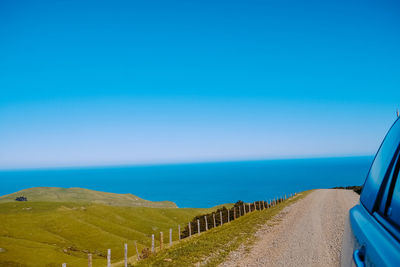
{"x":307,"y":233}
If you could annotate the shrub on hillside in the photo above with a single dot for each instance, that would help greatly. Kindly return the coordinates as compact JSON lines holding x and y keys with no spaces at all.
{"x":21,"y":198}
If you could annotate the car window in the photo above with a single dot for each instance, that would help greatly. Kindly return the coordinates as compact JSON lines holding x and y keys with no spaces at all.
{"x":392,"y":209}
{"x":386,"y":191}
{"x":378,"y":172}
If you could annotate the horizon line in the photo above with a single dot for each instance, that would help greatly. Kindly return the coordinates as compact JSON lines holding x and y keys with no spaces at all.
{"x":164,"y":163}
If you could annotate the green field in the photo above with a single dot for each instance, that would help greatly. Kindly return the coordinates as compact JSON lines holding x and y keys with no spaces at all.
{"x":59,"y":225}
{"x":48,"y":234}
{"x":53,"y":232}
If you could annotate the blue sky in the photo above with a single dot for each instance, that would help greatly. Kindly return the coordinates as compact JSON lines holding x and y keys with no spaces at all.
{"x":132,"y":82}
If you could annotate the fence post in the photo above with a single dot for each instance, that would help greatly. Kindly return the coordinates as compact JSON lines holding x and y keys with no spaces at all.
{"x":137,"y":251}
{"x":170,"y":236}
{"x":190,"y":230}
{"x":229,"y":219}
{"x":244,"y":209}
{"x":179,"y":232}
{"x":161,"y":240}
{"x":215,"y":225}
{"x":249,"y":207}
{"x":108,"y":257}
{"x":198,"y":226}
{"x":90,"y":259}
{"x":220,"y":216}
{"x":234,"y":213}
{"x":152,"y":243}
{"x":255,"y":207}
{"x":126,"y":254}
{"x":205,"y":219}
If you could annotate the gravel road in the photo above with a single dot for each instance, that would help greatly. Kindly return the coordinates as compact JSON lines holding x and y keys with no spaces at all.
{"x":307,"y":233}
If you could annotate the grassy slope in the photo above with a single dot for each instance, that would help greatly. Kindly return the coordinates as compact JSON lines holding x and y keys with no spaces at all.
{"x":58,"y":194}
{"x":50,"y":233}
{"x":212,"y":247}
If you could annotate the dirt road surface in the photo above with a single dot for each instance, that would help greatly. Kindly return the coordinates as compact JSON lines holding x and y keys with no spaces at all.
{"x":307,"y":233}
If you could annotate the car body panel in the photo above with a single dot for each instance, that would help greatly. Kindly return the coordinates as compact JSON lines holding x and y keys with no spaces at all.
{"x":380,"y":247}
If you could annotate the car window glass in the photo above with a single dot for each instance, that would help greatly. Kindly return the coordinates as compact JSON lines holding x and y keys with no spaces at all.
{"x":392,"y":211}
{"x":385,"y":194}
{"x":381,"y":164}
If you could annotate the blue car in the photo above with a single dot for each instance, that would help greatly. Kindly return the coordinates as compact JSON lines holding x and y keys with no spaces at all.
{"x":372,"y":236}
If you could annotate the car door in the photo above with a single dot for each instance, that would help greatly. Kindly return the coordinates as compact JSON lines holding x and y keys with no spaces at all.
{"x":373,"y":223}
{"x":376,"y":241}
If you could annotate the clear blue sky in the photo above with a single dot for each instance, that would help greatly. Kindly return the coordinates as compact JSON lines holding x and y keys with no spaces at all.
{"x":131,"y":82}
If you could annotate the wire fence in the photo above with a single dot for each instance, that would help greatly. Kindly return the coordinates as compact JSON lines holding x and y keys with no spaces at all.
{"x":199,"y":224}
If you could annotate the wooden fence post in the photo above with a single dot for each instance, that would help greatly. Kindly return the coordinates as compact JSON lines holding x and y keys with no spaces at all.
{"x":161,"y":240}
{"x":255,"y":207}
{"x":220,"y":216}
{"x":90,"y":260}
{"x":108,"y":257}
{"x":205,"y":220}
{"x":126,"y":254}
{"x":179,"y":232}
{"x":249,"y":207}
{"x":229,"y":219}
{"x":215,"y":225}
{"x":244,"y":209}
{"x":137,"y":251}
{"x":170,"y":236}
{"x":190,"y":230}
{"x":234,"y":213}
{"x":198,"y":226}
{"x":152,"y":243}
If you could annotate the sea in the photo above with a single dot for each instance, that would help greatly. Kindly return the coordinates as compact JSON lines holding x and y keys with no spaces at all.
{"x":200,"y":185}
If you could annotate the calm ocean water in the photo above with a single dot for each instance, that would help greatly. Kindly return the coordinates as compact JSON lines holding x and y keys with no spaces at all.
{"x":201,"y":184}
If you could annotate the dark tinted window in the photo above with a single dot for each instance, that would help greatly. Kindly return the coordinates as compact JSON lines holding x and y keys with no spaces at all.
{"x":392,"y":210}
{"x":385,"y":192}
{"x":382,"y":163}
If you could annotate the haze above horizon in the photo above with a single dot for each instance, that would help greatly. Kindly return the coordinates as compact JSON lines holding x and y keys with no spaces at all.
{"x":121,"y":82}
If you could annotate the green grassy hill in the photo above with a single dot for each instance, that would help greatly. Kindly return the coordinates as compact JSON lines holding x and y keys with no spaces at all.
{"x":81,"y":195}
{"x":50,"y":233}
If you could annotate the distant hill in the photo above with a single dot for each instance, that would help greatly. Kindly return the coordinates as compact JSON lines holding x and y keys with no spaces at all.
{"x":81,"y":195}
